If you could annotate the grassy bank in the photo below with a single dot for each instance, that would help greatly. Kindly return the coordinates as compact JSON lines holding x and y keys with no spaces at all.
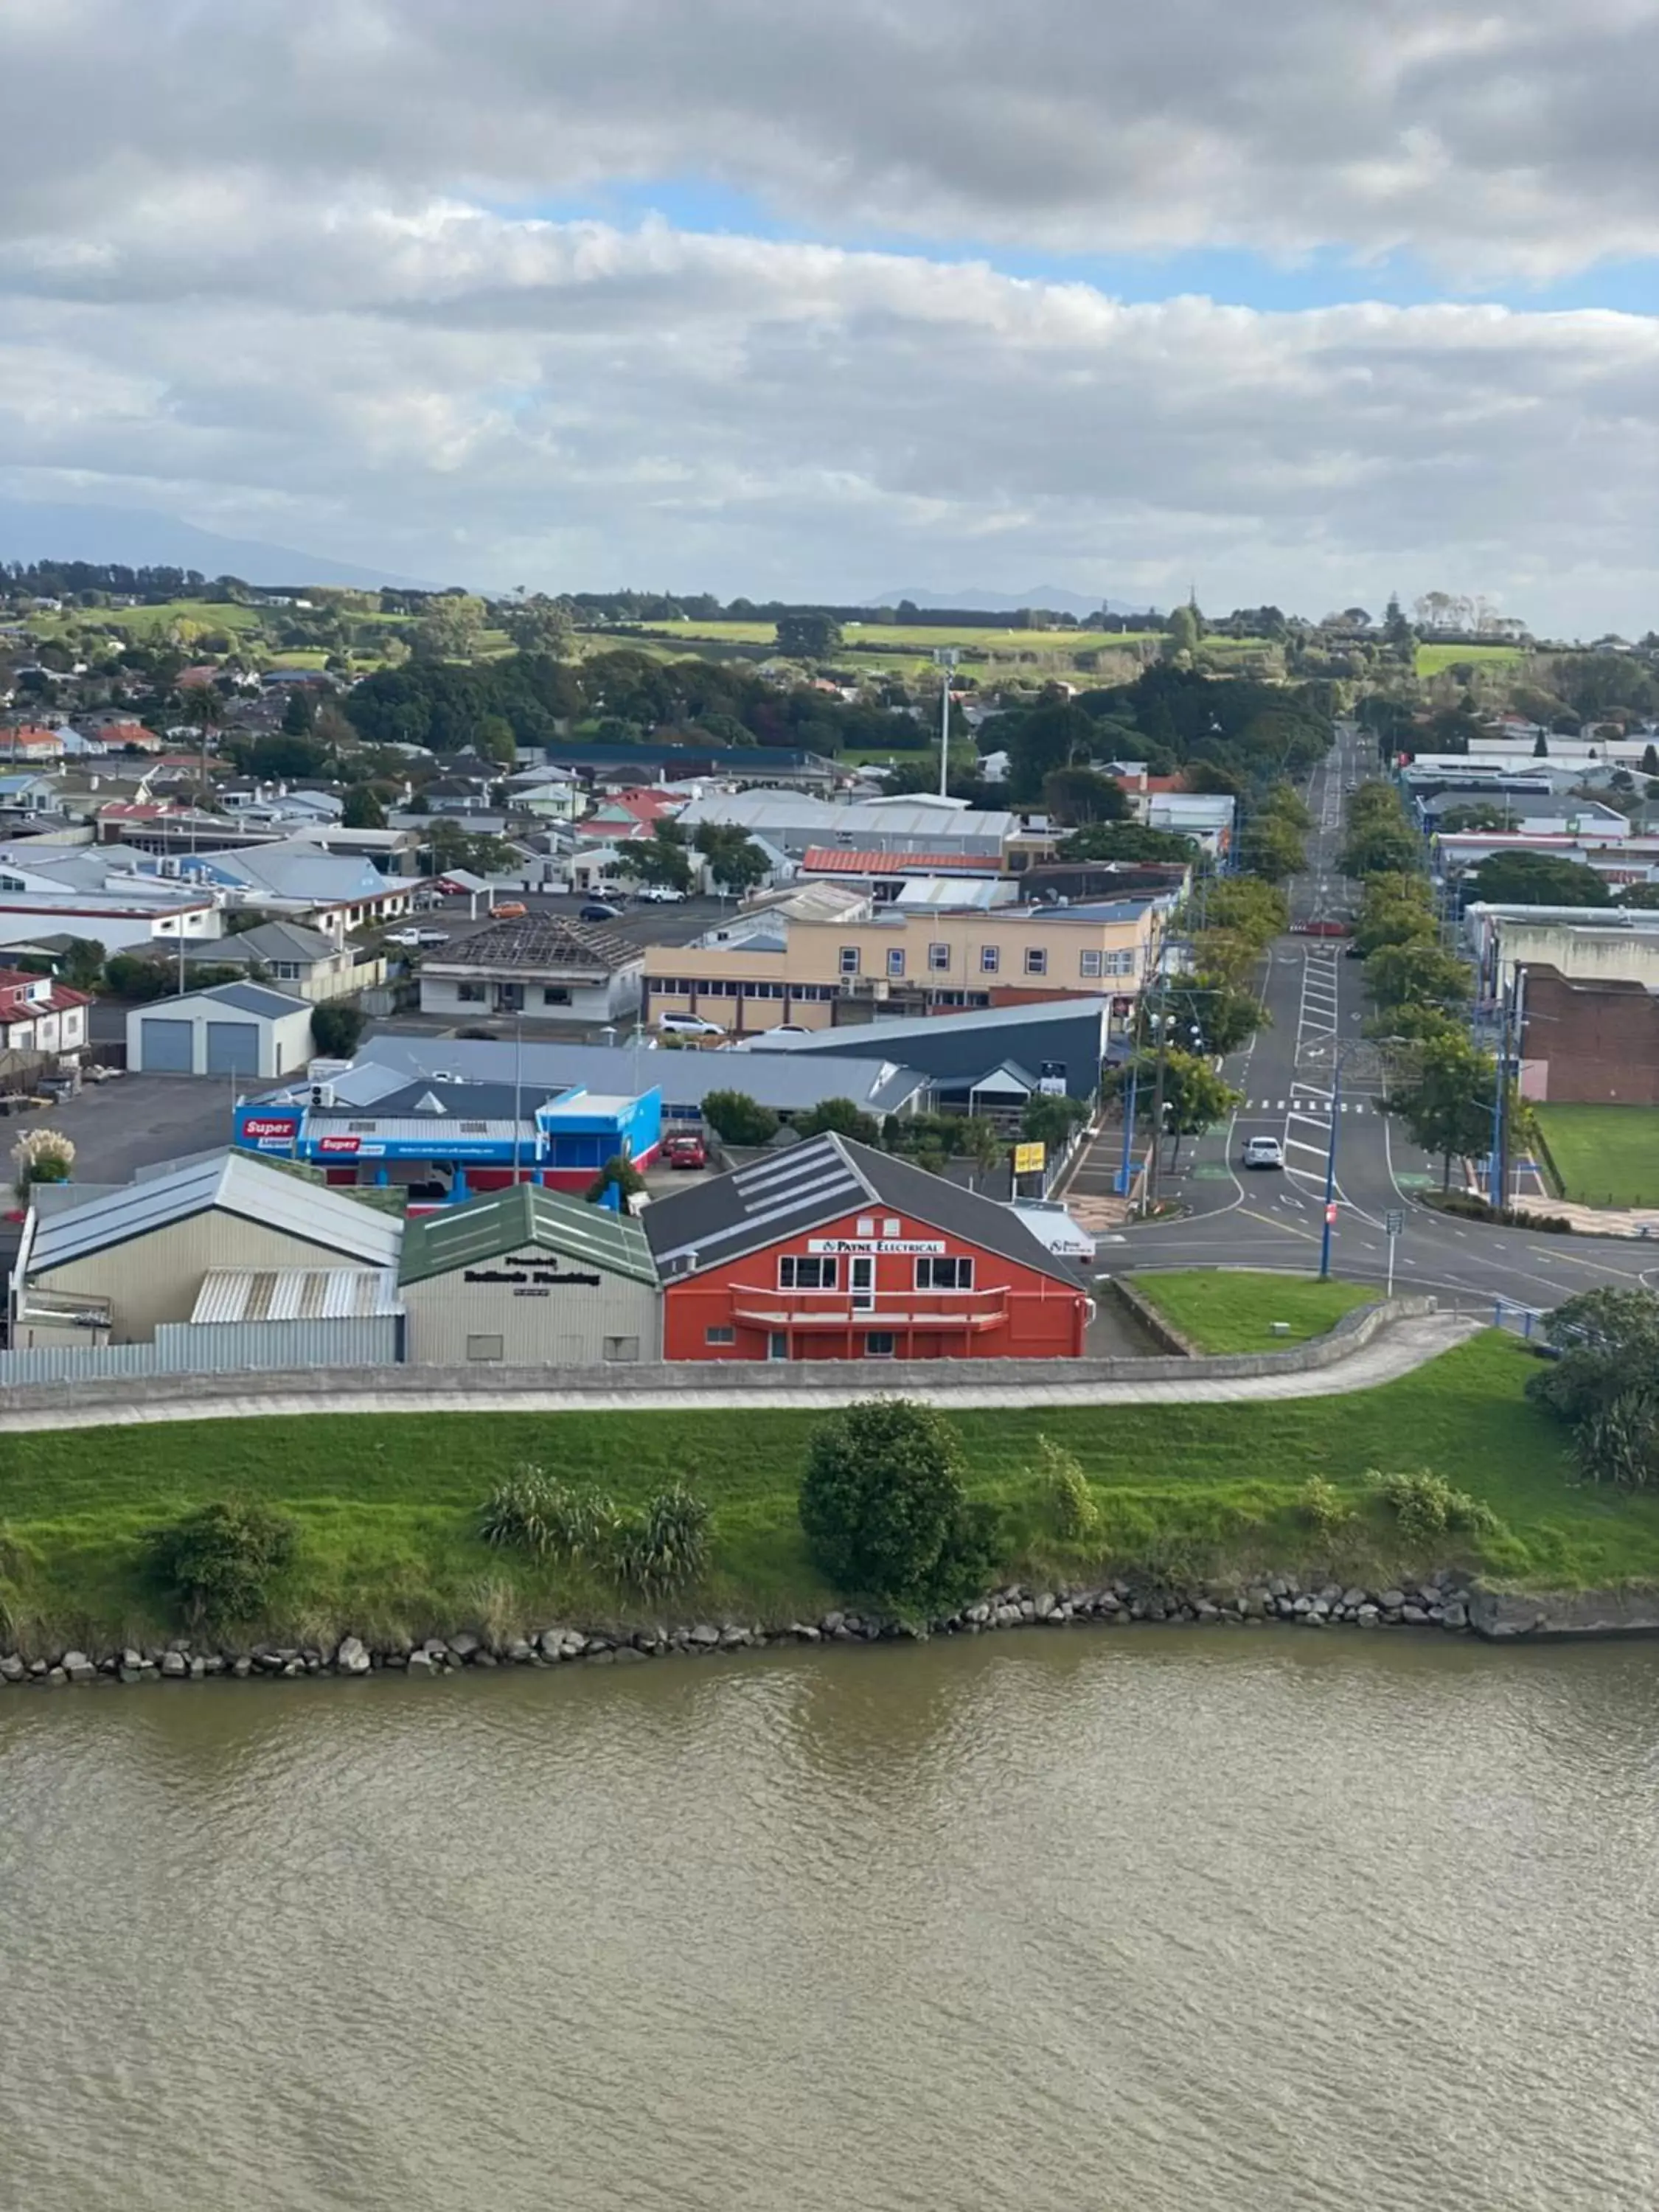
{"x":1603,"y":1155}
{"x":387,"y":1505}
{"x":1225,"y":1310}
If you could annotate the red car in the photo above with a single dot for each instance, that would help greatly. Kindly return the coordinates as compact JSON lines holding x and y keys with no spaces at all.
{"x":686,"y":1151}
{"x":1329,"y":926}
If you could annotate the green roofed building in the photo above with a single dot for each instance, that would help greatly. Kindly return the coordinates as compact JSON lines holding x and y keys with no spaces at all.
{"x":527,"y":1278}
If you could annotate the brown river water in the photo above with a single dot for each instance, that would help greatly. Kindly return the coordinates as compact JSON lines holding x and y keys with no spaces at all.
{"x":1143,"y":1919}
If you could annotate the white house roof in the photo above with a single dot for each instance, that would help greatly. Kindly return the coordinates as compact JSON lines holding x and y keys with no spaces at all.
{"x":228,"y":1182}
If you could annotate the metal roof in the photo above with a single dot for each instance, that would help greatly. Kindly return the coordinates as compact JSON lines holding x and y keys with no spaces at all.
{"x":541,"y":943}
{"x":232,"y":1294}
{"x":230,"y":1182}
{"x":831,"y":859}
{"x":504,"y":1221}
{"x":818,"y":1182}
{"x":245,"y":999}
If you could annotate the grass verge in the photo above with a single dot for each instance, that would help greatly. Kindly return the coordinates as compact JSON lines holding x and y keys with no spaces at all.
{"x":387,"y":1505}
{"x":1603,"y":1155}
{"x":1229,"y":1310}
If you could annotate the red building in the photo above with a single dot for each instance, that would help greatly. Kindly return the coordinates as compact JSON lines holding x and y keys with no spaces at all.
{"x":832,"y":1251}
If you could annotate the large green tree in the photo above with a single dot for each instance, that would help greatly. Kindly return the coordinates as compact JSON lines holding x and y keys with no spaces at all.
{"x":1536,"y":879}
{"x":541,"y":625}
{"x":1416,"y":974}
{"x":1447,"y":1101}
{"x":807,"y":634}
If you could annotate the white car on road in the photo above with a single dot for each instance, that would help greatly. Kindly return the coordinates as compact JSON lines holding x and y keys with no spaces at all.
{"x":688,"y":1025}
{"x":1263,"y":1152}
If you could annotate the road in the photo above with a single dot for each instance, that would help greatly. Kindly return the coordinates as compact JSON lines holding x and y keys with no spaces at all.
{"x":1287,"y":1076}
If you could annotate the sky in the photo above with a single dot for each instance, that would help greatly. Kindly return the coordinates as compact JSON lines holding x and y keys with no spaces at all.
{"x":1305,"y":301}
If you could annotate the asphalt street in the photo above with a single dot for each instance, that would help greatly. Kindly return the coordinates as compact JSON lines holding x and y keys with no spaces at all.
{"x":1310,"y":1075}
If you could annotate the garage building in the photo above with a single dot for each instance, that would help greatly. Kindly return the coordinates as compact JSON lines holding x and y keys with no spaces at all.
{"x":235,"y":1029}
{"x":527,"y":1278}
{"x":124,"y":1263}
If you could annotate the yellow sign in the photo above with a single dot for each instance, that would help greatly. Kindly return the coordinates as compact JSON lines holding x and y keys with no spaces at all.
{"x":1030,"y":1159}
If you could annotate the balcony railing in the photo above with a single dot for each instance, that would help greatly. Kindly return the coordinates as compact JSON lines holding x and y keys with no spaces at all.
{"x":765,"y":1307}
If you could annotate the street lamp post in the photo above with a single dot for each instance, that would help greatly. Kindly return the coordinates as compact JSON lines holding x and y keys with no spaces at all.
{"x":1330,"y":1174}
{"x":947,"y":661}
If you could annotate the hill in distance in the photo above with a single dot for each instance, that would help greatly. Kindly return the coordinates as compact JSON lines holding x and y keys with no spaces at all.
{"x":135,"y":539}
{"x":1010,"y":603}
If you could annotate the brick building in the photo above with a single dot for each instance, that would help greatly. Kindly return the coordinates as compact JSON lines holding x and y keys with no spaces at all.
{"x":1587,"y":1042}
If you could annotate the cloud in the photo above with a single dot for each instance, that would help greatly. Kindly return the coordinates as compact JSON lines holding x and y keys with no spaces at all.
{"x":448,"y":391}
{"x":1492,"y":143}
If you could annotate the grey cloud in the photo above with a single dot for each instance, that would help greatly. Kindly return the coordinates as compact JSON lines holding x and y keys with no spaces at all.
{"x":1493,"y":142}
{"x":571,"y":404}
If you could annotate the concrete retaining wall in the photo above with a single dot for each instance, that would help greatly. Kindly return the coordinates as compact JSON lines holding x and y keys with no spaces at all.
{"x":1147,"y":1317}
{"x":666,"y":1381}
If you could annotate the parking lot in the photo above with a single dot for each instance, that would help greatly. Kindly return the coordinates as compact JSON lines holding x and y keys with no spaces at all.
{"x":131,"y":1121}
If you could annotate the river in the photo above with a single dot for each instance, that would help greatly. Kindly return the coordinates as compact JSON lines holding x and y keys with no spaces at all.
{"x":1114,"y":1920}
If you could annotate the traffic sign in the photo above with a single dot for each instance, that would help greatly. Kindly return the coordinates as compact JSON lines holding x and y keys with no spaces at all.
{"x":1330,"y":1215}
{"x":1394,"y":1220}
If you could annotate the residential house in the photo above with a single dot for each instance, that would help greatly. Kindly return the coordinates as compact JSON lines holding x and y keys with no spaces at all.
{"x":303,"y":962}
{"x":40,"y":1020}
{"x":798,"y":824}
{"x":86,"y":892}
{"x":26,"y":792}
{"x":297,"y":879}
{"x":541,"y":966}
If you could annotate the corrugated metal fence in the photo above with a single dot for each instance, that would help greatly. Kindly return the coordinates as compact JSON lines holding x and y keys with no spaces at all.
{"x":216,"y":1348}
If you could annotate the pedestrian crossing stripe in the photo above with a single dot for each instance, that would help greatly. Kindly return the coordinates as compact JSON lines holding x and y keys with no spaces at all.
{"x":1315,"y":1106}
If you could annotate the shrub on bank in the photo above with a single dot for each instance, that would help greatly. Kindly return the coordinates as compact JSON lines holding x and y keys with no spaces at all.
{"x":220,"y":1565}
{"x":1426,"y":1506}
{"x":655,"y":1549}
{"x":886,"y":1512}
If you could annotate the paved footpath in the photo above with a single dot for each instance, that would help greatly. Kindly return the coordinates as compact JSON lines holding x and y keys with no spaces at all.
{"x":1395,"y":1350}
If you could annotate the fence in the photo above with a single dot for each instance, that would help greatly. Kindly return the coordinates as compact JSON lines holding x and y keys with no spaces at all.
{"x":215,"y":1348}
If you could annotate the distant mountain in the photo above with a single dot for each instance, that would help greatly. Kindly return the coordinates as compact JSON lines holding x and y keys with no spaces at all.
{"x":135,"y":539}
{"x":1010,"y":603}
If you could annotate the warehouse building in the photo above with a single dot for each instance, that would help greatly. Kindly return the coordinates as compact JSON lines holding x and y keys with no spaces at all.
{"x":236,"y":1029}
{"x":832,"y":1251}
{"x":116,"y":1267}
{"x":526,"y":1278}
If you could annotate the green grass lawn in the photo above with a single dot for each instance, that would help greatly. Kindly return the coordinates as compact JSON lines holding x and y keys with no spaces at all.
{"x":1432,"y":658}
{"x":1229,"y":1310}
{"x":387,"y":1505}
{"x":1603,"y":1155}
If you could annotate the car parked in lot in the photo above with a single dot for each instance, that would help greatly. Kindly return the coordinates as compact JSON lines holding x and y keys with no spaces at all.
{"x":685,"y":1149}
{"x":688,"y":1025}
{"x":659,"y":895}
{"x":509,"y":910}
{"x":597,"y":910}
{"x":1264,"y":1153}
{"x":406,"y":938}
{"x":432,"y":937}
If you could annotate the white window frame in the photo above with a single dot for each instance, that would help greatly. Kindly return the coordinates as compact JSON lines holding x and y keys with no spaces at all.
{"x":1090,"y":963}
{"x":938,"y":958}
{"x":990,"y":959}
{"x":896,"y":960}
{"x":849,"y":960}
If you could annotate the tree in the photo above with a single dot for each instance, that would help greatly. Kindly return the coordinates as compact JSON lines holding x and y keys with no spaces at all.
{"x":361,"y":809}
{"x":1270,"y":847}
{"x":840,"y":1117}
{"x":495,"y":742}
{"x":735,"y":861}
{"x":1650,"y":760}
{"x":1195,"y":1097}
{"x":1124,"y":841}
{"x":127,"y":976}
{"x":1447,"y":1104}
{"x":1050,"y":736}
{"x":1540,"y":747}
{"x":886,"y":1513}
{"x":737,"y":1118}
{"x":1214,"y":1011}
{"x":1380,"y":844}
{"x":619,"y":1175}
{"x":1606,"y":1381}
{"x":1181,"y":636}
{"x":451,"y":628}
{"x":297,"y":712}
{"x":82,"y":965}
{"x":1246,"y":907}
{"x":337,"y":1029}
{"x":541,"y":625}
{"x":1081,"y":795}
{"x":220,"y":1564}
{"x":1416,"y":974}
{"x":1396,"y":630}
{"x":1537,"y":879}
{"x":1049,"y":1120}
{"x":807,"y":634}
{"x":661,"y":857}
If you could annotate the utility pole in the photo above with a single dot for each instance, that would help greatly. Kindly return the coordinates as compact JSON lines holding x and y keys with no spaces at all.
{"x":1162,"y":1024}
{"x":1330,"y":1174}
{"x":947,"y":660}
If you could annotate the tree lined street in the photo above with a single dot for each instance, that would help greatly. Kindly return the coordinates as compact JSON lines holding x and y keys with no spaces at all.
{"x":1313,"y":1070}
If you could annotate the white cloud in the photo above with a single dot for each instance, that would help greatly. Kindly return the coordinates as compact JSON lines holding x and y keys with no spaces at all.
{"x":249,"y":273}
{"x":1489,"y":142}
{"x":453,"y":393}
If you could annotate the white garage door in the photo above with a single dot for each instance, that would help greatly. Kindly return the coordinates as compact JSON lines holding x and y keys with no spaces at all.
{"x":165,"y":1046}
{"x":233,"y":1049}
